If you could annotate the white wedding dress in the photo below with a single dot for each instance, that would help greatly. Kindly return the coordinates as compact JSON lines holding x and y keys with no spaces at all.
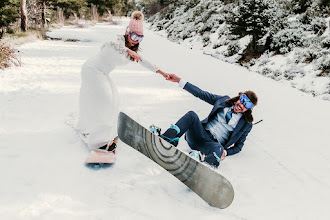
{"x":98,"y":105}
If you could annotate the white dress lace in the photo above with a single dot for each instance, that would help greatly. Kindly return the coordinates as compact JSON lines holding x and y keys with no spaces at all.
{"x":98,"y":105}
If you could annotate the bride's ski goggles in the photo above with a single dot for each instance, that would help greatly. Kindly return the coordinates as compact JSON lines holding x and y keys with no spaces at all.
{"x":134,"y":37}
{"x":246,"y":101}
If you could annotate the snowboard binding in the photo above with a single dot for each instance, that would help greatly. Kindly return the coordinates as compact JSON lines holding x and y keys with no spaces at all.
{"x":111,"y":146}
{"x":174,"y":130}
{"x":154,"y":129}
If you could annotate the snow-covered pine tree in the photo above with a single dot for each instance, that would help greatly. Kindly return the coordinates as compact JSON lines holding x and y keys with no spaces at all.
{"x":250,"y":19}
{"x":300,"y":6}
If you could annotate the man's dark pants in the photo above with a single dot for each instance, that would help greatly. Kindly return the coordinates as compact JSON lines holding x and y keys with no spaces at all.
{"x":199,"y":138}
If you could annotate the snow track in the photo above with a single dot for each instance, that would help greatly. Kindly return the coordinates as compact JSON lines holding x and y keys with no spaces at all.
{"x":281,"y":173}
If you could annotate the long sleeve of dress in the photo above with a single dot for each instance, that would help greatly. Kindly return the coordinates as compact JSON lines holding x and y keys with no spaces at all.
{"x":148,"y":65}
{"x":119,"y":46}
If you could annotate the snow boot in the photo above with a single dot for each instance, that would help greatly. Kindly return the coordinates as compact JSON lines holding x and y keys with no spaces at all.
{"x":171,"y":135}
{"x":111,"y":146}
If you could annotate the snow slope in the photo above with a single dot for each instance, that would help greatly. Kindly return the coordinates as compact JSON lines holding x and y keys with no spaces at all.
{"x":281,"y":173}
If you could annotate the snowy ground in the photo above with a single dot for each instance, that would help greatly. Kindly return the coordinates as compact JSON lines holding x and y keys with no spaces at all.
{"x":282,"y":172}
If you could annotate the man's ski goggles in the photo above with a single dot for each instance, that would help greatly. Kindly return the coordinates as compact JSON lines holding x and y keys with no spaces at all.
{"x":134,"y":37}
{"x":246,"y":101}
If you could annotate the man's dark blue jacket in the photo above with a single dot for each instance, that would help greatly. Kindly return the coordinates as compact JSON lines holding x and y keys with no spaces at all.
{"x":241,"y":130}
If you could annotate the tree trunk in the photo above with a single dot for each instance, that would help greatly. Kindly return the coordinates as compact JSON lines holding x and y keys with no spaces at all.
{"x":3,"y":31}
{"x":23,"y":16}
{"x":94,"y":13}
{"x":249,"y":52}
{"x":59,"y":16}
{"x":43,"y":13}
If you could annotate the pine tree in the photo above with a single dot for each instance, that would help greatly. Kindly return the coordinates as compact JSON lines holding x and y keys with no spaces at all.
{"x":300,"y":6}
{"x":130,"y":5}
{"x":324,"y":3}
{"x":71,"y":7}
{"x":105,"y":5}
{"x":43,"y":5}
{"x":251,"y":19}
{"x":9,"y":12}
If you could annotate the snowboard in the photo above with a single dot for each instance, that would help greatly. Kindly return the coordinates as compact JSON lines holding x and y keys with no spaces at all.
{"x":101,"y":158}
{"x":209,"y":185}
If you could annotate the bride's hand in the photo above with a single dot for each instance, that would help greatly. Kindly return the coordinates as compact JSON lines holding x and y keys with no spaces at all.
{"x":165,"y":75}
{"x":135,"y":56}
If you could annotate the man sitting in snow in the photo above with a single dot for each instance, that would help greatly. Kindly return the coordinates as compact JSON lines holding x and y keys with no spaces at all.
{"x":229,"y":123}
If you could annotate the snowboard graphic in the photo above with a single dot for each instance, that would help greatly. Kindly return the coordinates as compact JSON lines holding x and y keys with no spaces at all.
{"x":212,"y":187}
